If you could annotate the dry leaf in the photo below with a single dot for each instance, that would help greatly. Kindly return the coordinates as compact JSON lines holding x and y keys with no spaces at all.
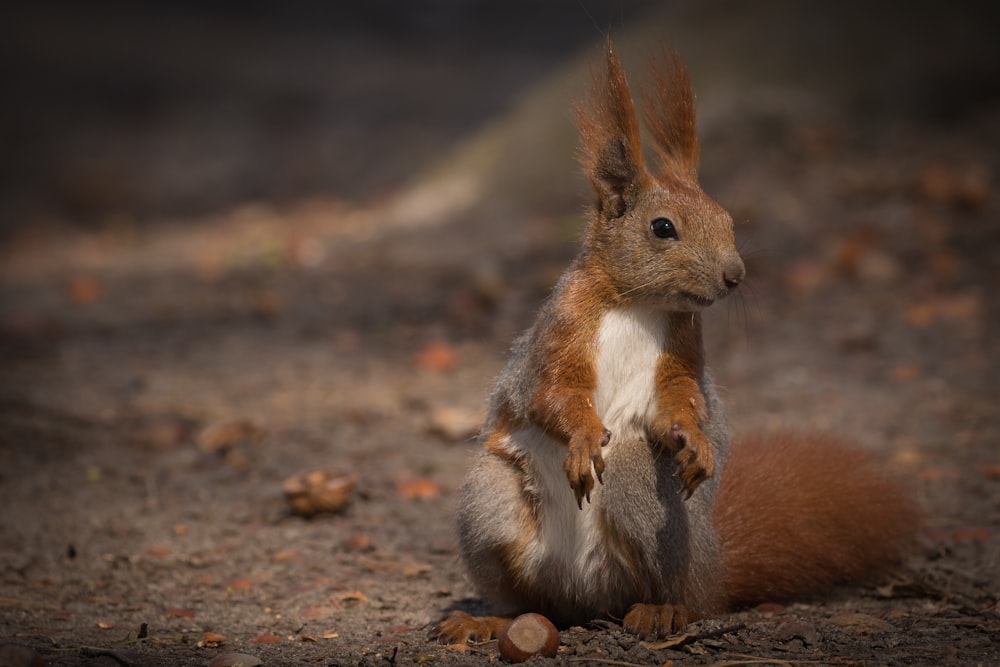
{"x":159,"y":432}
{"x":380,"y":564}
{"x":266,"y":639}
{"x":454,"y":424}
{"x":284,"y":555}
{"x":862,"y":624}
{"x":358,"y":542}
{"x":936,"y":183}
{"x":853,"y":249}
{"x":920,"y":315}
{"x":316,"y":491}
{"x":944,"y":264}
{"x":806,"y":276}
{"x":960,"y":307}
{"x":436,"y":356}
{"x":212,"y":640}
{"x":415,"y":569}
{"x":160,"y":551}
{"x":969,"y":534}
{"x":314,"y":612}
{"x":266,"y":303}
{"x":353,"y":598}
{"x":105,"y":625}
{"x":418,"y":488}
{"x":973,"y":189}
{"x":239,"y":585}
{"x":179,"y":612}
{"x":906,"y":373}
{"x":85,"y":290}
{"x":223,"y":436}
{"x":671,"y":642}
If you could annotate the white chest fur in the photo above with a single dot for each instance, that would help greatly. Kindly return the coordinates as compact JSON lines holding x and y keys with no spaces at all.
{"x":628,"y":344}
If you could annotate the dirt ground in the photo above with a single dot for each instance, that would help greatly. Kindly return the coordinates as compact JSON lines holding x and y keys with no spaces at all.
{"x":237,"y":246}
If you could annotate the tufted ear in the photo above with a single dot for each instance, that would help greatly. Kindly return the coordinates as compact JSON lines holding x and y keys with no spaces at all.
{"x":611,"y":150}
{"x":668,"y":109}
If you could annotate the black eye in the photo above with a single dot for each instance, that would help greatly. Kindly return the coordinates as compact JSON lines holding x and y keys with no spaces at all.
{"x":663,"y":229}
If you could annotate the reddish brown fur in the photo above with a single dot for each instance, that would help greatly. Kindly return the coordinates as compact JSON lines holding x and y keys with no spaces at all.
{"x":613,"y":159}
{"x":668,"y":110}
{"x":563,"y":405}
{"x":681,"y":404}
{"x":797,"y":515}
{"x":652,"y":620}
{"x":609,"y":138}
{"x":461,"y":628}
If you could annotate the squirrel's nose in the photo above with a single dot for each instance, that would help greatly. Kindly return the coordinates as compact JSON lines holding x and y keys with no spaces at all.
{"x":734,"y":273}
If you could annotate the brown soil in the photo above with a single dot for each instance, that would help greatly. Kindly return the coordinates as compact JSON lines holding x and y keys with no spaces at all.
{"x":230,"y":255}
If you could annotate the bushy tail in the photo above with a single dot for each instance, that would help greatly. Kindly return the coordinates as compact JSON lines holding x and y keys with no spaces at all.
{"x":799,"y":514}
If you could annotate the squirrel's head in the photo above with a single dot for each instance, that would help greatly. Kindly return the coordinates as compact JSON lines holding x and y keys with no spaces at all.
{"x":661,"y":240}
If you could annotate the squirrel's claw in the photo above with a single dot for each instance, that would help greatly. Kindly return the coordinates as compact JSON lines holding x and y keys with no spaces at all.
{"x":461,"y":628}
{"x":655,"y":621}
{"x":584,"y":462}
{"x":694,"y":454}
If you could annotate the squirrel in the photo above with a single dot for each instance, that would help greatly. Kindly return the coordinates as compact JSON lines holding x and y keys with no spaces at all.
{"x":606,"y":485}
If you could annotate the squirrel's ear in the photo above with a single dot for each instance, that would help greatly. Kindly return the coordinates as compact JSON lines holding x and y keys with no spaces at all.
{"x":668,"y":108}
{"x":611,"y":150}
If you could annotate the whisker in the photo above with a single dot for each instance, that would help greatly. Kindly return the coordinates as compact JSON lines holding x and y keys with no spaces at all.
{"x":753,"y":253}
{"x":750,"y":303}
{"x":637,"y":288}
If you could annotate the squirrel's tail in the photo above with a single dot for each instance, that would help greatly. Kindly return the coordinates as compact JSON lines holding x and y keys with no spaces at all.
{"x":797,"y":515}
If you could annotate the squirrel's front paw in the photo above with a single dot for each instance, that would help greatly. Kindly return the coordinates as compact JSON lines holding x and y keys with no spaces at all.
{"x":693,"y":451}
{"x":583,"y":460}
{"x":695,"y":456}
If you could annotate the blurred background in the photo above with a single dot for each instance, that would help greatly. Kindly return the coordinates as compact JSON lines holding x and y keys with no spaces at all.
{"x":242,"y":239}
{"x":215,"y":180}
{"x":122,"y":113}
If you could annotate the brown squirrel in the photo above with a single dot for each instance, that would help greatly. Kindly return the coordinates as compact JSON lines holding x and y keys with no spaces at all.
{"x":610,"y":386}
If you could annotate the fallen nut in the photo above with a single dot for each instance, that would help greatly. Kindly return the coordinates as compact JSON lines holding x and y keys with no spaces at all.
{"x":526,"y":636}
{"x":315,"y":491}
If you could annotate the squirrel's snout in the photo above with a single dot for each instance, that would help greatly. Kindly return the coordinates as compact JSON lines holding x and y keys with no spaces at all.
{"x":734,"y":273}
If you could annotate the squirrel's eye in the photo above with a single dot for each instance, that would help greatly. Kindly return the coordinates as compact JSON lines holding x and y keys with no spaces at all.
{"x":663,"y":229}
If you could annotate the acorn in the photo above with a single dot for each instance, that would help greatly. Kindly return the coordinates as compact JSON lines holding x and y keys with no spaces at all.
{"x":526,"y":636}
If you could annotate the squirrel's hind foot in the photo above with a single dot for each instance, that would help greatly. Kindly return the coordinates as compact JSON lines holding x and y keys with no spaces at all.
{"x":655,"y":621}
{"x":461,"y":628}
